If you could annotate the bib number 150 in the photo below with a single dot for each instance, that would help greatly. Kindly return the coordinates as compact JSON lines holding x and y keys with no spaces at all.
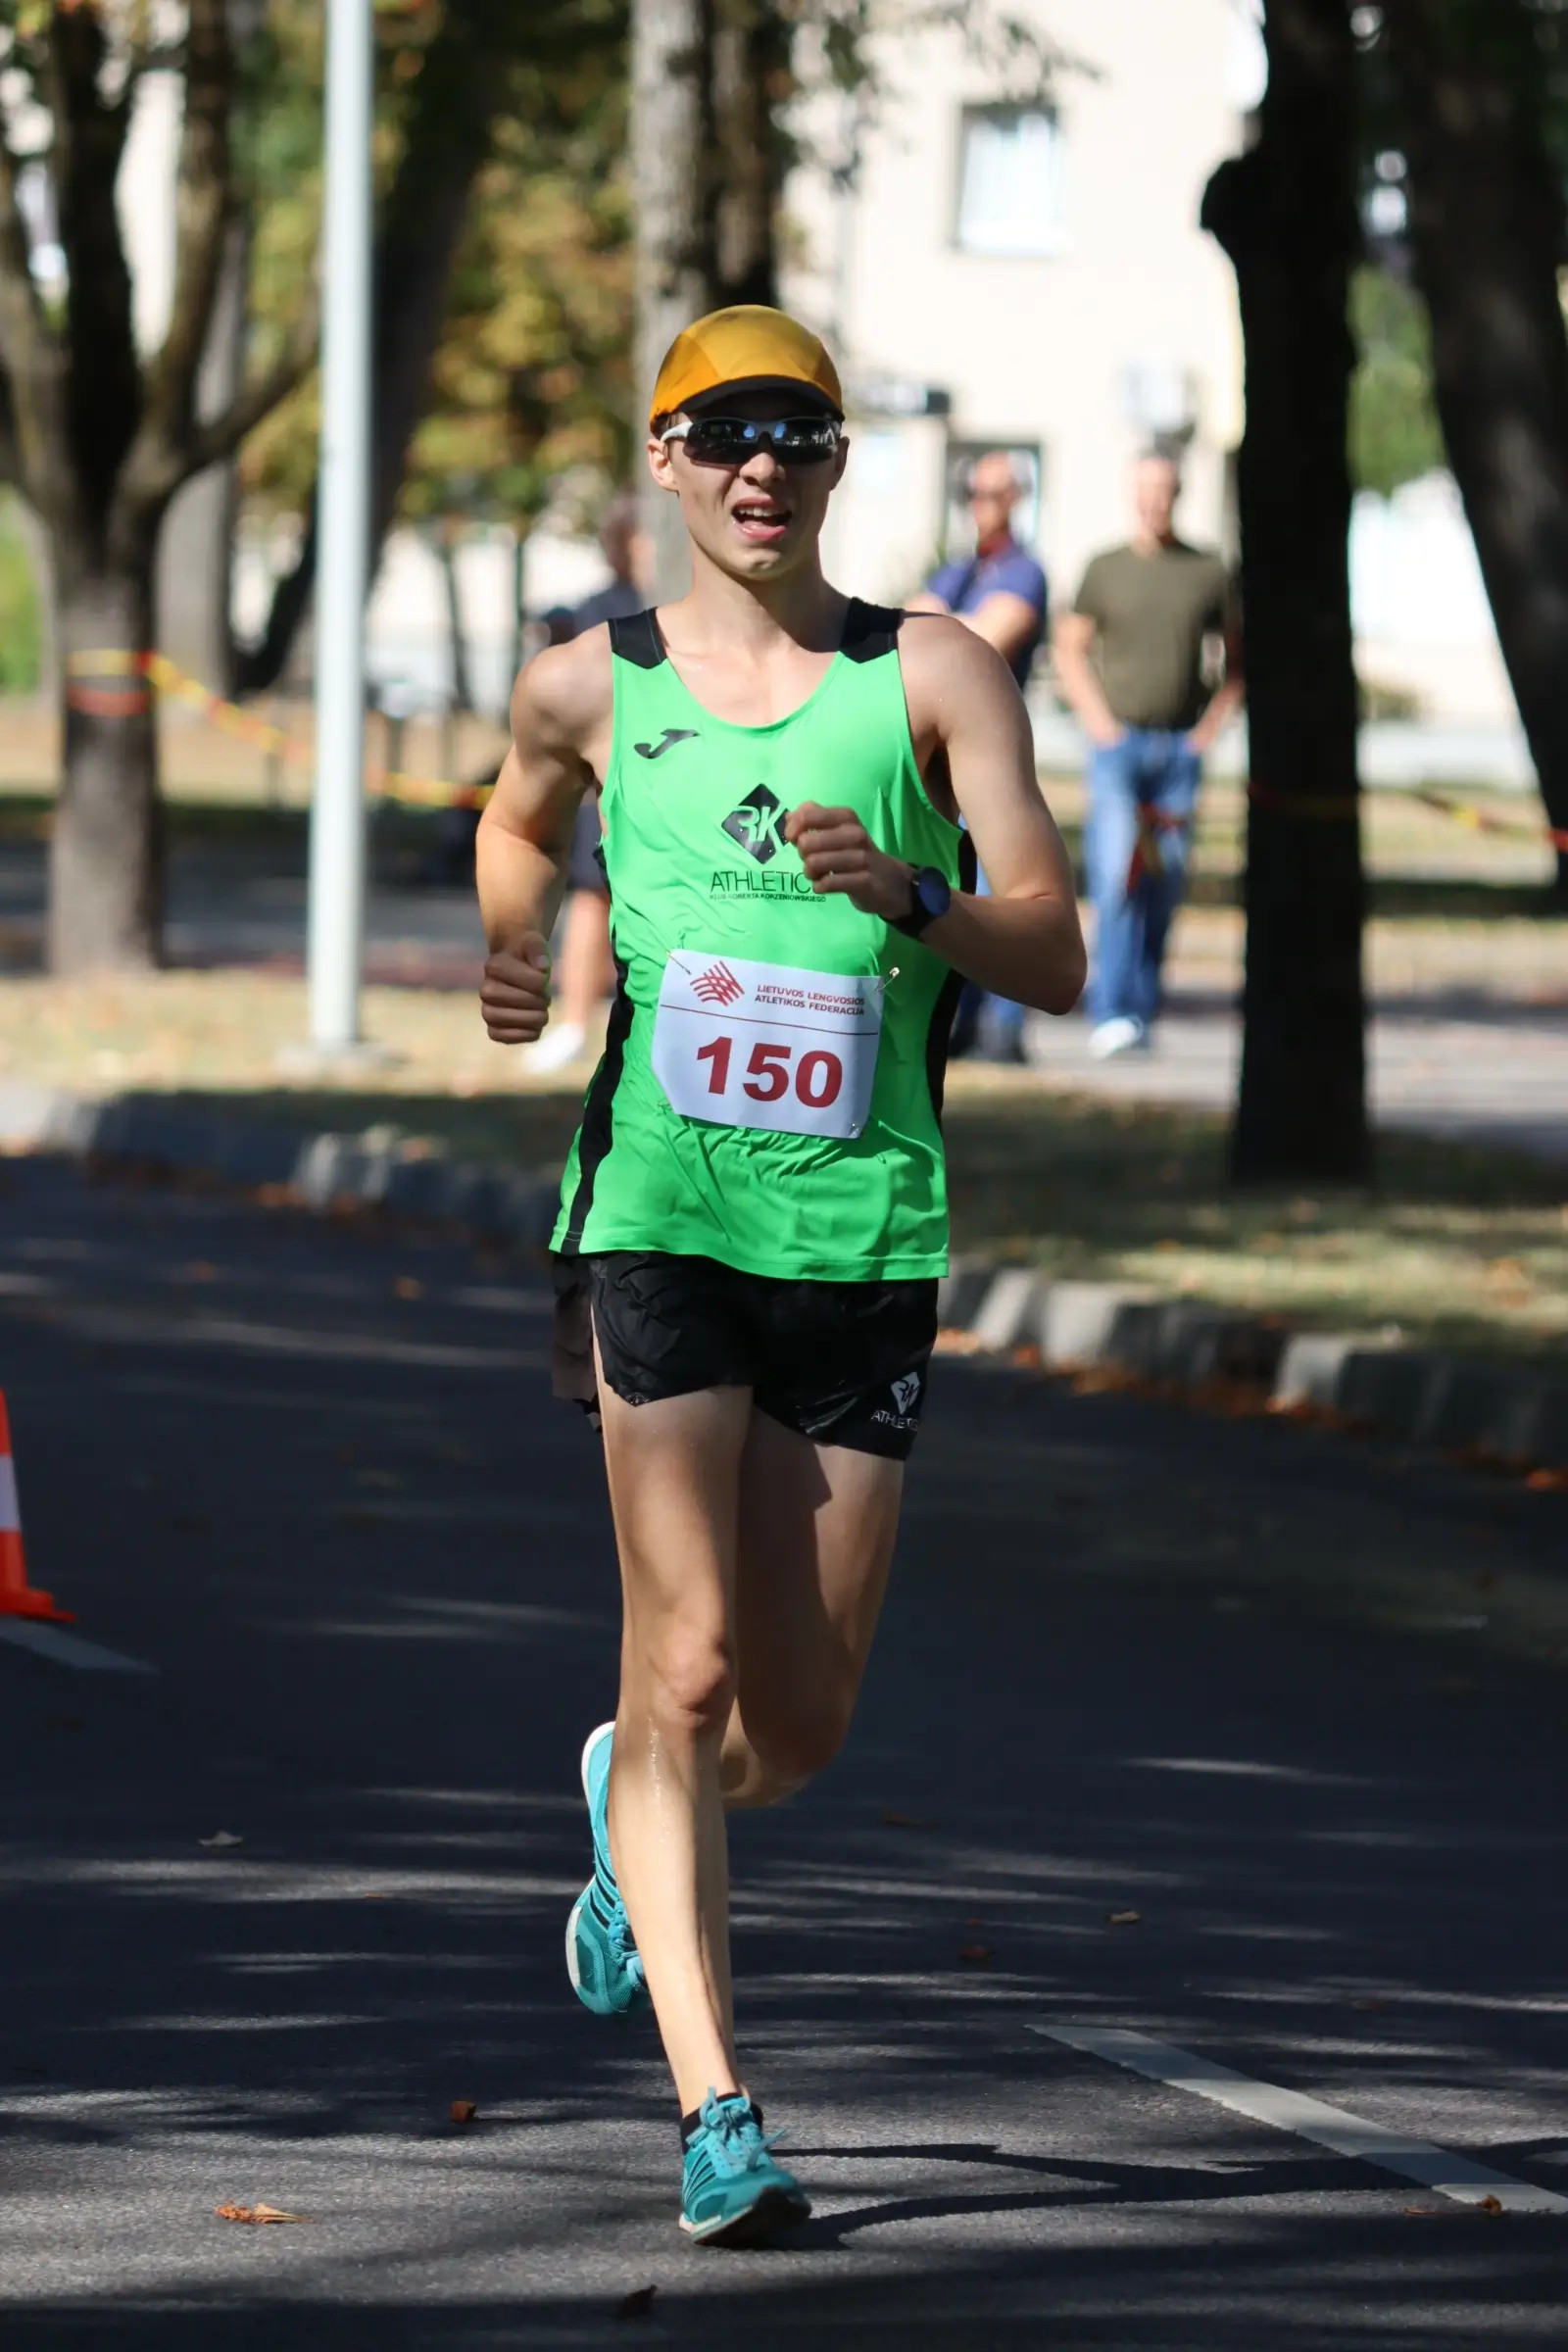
{"x":771,"y":1070}
{"x":782,"y":1050}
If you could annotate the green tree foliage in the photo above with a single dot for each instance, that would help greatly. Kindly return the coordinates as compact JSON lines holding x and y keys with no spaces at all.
{"x":530,"y":379}
{"x":21,"y":617}
{"x":1395,"y":435}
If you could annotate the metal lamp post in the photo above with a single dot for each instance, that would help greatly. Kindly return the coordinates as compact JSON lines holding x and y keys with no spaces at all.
{"x":335,"y":923}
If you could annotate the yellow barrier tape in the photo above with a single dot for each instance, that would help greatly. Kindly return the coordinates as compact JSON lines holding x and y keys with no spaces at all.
{"x":432,"y":792}
{"x":167,"y":678}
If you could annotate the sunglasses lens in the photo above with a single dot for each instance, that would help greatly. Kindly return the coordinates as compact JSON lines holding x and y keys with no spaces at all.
{"x":732,"y":440}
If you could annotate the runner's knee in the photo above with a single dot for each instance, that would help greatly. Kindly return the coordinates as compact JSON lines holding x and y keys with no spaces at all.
{"x":794,"y":1745}
{"x":687,"y":1680}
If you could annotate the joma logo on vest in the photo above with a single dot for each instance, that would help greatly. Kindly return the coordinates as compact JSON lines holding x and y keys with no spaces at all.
{"x":757,"y":824}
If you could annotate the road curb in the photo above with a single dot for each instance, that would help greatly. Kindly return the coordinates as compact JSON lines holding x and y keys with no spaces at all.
{"x":1461,"y":1404}
{"x":322,"y":1170}
{"x":1458,"y":1403}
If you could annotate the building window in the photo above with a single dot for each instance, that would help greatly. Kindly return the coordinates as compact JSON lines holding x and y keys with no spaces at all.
{"x":1009,"y":181}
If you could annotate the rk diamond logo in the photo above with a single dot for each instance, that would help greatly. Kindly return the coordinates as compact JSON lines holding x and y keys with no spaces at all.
{"x":757,"y":824}
{"x":718,"y":985}
{"x":906,"y":1393}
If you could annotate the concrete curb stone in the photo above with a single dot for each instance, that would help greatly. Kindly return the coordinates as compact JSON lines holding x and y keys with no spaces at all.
{"x":1425,"y":1396}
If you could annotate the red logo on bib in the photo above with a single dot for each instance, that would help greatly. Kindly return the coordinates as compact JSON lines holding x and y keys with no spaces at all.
{"x":718,"y":985}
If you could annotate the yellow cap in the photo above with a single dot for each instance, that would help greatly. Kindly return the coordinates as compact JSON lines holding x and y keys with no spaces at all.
{"x":748,"y":347}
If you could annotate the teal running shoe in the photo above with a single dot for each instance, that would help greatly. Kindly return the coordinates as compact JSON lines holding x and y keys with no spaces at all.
{"x":732,"y":2192}
{"x":602,"y":1960}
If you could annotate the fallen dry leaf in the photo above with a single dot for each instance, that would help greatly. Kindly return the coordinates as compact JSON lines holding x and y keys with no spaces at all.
{"x":975,"y":1955}
{"x":221,"y":1837}
{"x":463,"y":2111}
{"x":901,"y":1820}
{"x":257,"y":2212}
{"x":1490,"y":2205}
{"x":637,"y":2305}
{"x":1123,"y":1919}
{"x":407,"y":1285}
{"x":1424,"y":2212}
{"x":1547,"y":1481}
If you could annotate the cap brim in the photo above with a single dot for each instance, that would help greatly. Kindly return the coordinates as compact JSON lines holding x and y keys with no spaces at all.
{"x":807,"y":396}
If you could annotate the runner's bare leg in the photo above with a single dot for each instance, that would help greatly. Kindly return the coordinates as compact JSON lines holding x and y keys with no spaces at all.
{"x":675,"y":1470}
{"x":817,"y":1527}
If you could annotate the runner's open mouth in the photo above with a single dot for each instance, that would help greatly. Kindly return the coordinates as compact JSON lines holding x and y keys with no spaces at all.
{"x":759,"y":514}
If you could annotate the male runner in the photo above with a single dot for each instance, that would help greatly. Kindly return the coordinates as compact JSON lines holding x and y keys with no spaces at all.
{"x":753,"y":1212}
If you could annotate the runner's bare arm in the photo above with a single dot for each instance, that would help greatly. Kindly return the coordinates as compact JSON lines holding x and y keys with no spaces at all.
{"x":560,"y":731}
{"x":1024,"y":941}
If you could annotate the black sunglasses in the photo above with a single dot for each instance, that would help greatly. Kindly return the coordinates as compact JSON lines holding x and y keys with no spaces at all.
{"x":732,"y":440}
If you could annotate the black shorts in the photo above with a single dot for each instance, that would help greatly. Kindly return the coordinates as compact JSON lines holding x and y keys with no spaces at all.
{"x":843,"y":1363}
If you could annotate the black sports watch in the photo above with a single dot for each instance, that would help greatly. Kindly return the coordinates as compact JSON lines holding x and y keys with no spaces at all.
{"x":930,"y":896}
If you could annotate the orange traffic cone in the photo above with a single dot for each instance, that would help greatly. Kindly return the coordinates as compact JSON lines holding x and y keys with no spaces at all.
{"x":18,"y":1598}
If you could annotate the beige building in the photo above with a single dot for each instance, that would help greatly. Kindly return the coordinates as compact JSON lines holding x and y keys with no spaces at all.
{"x":1030,"y":271}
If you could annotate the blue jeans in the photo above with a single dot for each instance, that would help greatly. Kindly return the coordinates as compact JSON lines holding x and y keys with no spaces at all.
{"x":1137,"y":835}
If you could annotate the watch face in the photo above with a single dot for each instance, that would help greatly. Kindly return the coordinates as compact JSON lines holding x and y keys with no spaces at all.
{"x":932,"y":892}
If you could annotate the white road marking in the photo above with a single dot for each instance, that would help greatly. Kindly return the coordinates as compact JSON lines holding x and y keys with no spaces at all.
{"x":68,"y":1649}
{"x":1435,"y":2168}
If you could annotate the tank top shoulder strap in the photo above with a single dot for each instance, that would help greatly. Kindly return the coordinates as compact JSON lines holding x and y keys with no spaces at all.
{"x":869,"y":631}
{"x":635,"y":638}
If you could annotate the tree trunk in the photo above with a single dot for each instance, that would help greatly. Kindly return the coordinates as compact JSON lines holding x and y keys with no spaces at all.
{"x":1284,"y":213}
{"x":447,"y":539}
{"x":196,"y":551}
{"x":1487,"y":234}
{"x":748,"y":79}
{"x":462,"y":84}
{"x":105,"y":868}
{"x":668,"y":147}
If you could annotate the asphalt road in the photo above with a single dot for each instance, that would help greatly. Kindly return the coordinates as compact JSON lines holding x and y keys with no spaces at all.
{"x":1291,"y":1701}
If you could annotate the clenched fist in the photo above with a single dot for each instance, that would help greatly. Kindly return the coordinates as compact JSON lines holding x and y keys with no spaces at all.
{"x":840,"y":857}
{"x":515,"y":993}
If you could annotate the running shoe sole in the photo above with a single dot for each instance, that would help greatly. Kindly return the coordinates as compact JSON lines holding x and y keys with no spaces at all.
{"x":575,"y":1912}
{"x":639,"y":2001}
{"x":775,"y":2209}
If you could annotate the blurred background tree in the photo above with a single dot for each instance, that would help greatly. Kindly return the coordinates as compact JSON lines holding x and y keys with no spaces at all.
{"x":21,"y":606}
{"x":1394,"y":433}
{"x":100,"y":435}
{"x":1479,"y":97}
{"x":1285,"y":214}
{"x":462,"y":84}
{"x":483,"y":106}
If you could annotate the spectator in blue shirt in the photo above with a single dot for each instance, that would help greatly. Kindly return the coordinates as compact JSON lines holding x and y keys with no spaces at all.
{"x":998,"y":592}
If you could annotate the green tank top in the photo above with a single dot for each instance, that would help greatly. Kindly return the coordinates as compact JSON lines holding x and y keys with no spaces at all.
{"x":770,"y":1089}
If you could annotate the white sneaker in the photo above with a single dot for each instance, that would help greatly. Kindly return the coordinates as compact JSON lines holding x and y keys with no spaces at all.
{"x":1123,"y":1035}
{"x":560,"y":1045}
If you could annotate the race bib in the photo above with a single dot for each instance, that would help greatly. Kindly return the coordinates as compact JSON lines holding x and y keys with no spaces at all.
{"x":764,"y":1044}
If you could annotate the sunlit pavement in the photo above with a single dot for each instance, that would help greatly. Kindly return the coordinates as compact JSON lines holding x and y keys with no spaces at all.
{"x":1293,"y":1703}
{"x":1475,"y":1069}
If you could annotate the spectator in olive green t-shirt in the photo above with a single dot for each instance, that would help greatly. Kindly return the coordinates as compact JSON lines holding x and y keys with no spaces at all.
{"x":1130,"y":659}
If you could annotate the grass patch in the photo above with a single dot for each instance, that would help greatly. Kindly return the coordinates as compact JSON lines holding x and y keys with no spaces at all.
{"x":1455,"y":1247}
{"x":1458,"y":1246}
